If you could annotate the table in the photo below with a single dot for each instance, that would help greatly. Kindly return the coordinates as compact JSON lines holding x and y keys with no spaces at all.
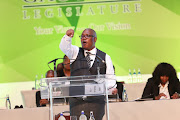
{"x":142,"y":110}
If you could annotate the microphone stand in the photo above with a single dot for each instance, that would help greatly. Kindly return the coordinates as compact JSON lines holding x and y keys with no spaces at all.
{"x":98,"y":73}
{"x":98,"y":68}
{"x":55,"y":71}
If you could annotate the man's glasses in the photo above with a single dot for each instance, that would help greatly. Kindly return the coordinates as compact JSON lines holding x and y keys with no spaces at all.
{"x":86,"y":36}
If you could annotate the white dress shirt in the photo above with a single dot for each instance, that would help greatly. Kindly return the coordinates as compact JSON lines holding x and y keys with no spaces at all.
{"x":164,"y":90}
{"x":72,"y":52}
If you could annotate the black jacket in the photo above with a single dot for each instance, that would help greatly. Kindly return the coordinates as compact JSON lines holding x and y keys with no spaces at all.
{"x":151,"y":89}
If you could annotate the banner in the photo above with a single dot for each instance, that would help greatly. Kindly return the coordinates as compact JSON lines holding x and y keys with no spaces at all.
{"x":135,"y":33}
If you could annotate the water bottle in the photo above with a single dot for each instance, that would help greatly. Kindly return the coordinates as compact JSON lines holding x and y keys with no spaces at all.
{"x":130,"y":80}
{"x":139,"y":77}
{"x":134,"y":76}
{"x":42,"y":76}
{"x":36,"y":80}
{"x":42,"y":82}
{"x":91,"y":116}
{"x":8,"y":103}
{"x":125,"y":96}
{"x":61,"y":117}
{"x":82,"y":116}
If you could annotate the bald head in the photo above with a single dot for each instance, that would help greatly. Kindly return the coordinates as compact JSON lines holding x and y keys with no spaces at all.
{"x":49,"y":74}
{"x":88,"y":39}
{"x":93,"y":32}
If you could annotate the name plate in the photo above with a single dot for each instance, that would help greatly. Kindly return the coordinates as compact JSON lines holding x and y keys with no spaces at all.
{"x":94,"y":89}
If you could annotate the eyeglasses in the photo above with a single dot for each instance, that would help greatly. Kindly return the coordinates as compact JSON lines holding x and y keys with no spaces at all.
{"x":86,"y":36}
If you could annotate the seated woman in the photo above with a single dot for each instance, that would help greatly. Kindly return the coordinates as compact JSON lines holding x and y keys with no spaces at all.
{"x":164,"y":84}
{"x":42,"y":102}
{"x":63,"y":69}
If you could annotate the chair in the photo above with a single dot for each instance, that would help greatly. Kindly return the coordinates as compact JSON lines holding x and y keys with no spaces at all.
{"x":118,"y":96}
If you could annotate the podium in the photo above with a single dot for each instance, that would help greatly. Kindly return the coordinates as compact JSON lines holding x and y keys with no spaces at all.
{"x":76,"y":86}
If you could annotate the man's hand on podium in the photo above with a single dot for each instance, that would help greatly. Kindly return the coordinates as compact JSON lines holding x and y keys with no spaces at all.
{"x":114,"y":91}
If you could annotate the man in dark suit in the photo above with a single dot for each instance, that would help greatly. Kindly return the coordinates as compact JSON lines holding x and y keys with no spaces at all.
{"x":84,"y":61}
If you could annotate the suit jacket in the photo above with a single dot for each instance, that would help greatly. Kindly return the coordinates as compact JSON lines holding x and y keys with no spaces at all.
{"x":152,"y":89}
{"x":38,"y":98}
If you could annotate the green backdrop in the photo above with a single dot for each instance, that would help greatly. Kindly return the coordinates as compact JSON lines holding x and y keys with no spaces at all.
{"x":135,"y":33}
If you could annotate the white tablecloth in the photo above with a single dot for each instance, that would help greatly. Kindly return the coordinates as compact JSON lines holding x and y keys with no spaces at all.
{"x":144,"y":110}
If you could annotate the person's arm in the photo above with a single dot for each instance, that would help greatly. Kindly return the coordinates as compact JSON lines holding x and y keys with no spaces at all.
{"x":147,"y":93}
{"x":65,"y":45}
{"x":176,"y":95}
{"x":111,"y":84}
{"x":40,"y":102}
{"x":159,"y":96}
{"x":43,"y":102}
{"x":38,"y":98}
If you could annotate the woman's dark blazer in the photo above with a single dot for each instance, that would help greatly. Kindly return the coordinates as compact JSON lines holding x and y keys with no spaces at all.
{"x":151,"y":89}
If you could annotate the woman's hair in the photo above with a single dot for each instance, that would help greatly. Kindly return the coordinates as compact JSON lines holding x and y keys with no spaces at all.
{"x":60,"y":67}
{"x":165,"y":69}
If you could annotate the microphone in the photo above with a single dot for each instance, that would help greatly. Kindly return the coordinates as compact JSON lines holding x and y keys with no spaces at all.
{"x":55,"y":72}
{"x":53,"y":60}
{"x":64,"y":58}
{"x":100,"y":59}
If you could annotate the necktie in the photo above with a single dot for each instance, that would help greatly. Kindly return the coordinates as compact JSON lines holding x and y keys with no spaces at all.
{"x":88,"y":59}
